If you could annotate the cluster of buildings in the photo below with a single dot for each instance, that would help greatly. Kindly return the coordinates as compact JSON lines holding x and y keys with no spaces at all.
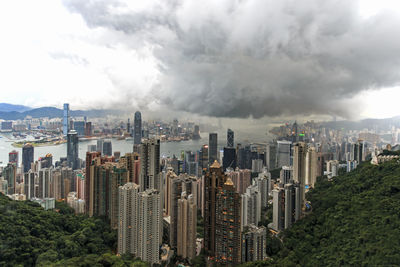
{"x":156,"y":203}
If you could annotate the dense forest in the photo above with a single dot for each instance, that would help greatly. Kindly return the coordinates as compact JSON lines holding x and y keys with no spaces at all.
{"x":31,"y":236}
{"x":355,"y":222}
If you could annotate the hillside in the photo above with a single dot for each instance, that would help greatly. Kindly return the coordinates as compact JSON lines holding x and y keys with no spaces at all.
{"x":31,"y":236}
{"x":53,"y":112}
{"x":355,"y":222}
{"x":5,"y":107}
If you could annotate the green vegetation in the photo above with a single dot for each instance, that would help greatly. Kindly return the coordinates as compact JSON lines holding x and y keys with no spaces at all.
{"x":31,"y":236}
{"x":355,"y":222}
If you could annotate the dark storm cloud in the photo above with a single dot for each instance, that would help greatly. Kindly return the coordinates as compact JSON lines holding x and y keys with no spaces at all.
{"x":259,"y":58}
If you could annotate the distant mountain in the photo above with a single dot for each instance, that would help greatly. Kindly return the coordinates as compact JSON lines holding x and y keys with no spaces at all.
{"x":52,"y":112}
{"x":5,"y":107}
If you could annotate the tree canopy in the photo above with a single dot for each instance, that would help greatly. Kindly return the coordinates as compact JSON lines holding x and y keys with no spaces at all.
{"x":32,"y":236}
{"x":355,"y":222}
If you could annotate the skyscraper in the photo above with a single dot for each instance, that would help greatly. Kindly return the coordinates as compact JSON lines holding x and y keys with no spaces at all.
{"x":228,"y":221}
{"x":66,"y":119}
{"x":278,"y":216}
{"x":128,"y":126}
{"x":29,"y":184}
{"x":137,"y":138}
{"x":150,"y":165}
{"x":13,"y":157}
{"x":100,"y":142}
{"x":27,"y":156}
{"x":175,"y":195}
{"x":107,"y":148}
{"x":283,"y":153}
{"x":299,"y":167}
{"x":212,"y":148}
{"x":251,"y":206}
{"x":90,"y":156}
{"x":128,"y":219}
{"x":79,"y":127}
{"x":10,"y":174}
{"x":213,"y":181}
{"x":254,"y":245}
{"x":230,"y":138}
{"x":139,"y":222}
{"x":149,"y":226}
{"x":73,"y":150}
{"x":229,"y":159}
{"x":187,"y":221}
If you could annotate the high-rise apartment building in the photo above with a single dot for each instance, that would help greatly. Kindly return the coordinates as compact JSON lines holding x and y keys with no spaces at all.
{"x":150,"y":165}
{"x":241,"y":179}
{"x":10,"y":175}
{"x":283,"y":153}
{"x":29,"y":184}
{"x":149,"y":225}
{"x":278,"y":216}
{"x":286,"y":174}
{"x":137,"y":137}
{"x":254,"y":243}
{"x":228,"y":231}
{"x":213,"y":181}
{"x":311,"y":167}
{"x":251,"y":206}
{"x":263,"y":183}
{"x":66,"y":119}
{"x":187,"y":222}
{"x":90,"y":156}
{"x":73,"y":150}
{"x":212,"y":148}
{"x":299,"y":167}
{"x":175,"y":194}
{"x":128,"y":219}
{"x":27,"y":157}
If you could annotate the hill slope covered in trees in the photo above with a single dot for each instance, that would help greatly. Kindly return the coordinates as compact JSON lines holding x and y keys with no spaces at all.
{"x":355,"y":222}
{"x":31,"y":236}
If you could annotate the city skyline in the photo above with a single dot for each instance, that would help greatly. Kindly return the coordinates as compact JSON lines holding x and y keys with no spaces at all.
{"x":199,"y":133}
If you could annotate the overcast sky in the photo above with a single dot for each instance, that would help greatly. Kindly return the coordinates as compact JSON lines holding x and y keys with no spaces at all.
{"x":229,"y":59}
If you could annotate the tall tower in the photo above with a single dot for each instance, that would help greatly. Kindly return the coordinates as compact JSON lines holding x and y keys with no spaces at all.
{"x":13,"y":157}
{"x":299,"y":167}
{"x":150,"y":165}
{"x":149,"y":226}
{"x":230,"y":138}
{"x":187,"y":219}
{"x":66,"y":119}
{"x":90,"y":156}
{"x":228,"y":221}
{"x":128,"y":126}
{"x":213,"y":181}
{"x":283,"y":153}
{"x":107,"y":148}
{"x":27,"y":156}
{"x":137,"y":138}
{"x":73,"y":150}
{"x":212,"y":148}
{"x":175,"y":195}
{"x":128,"y":219}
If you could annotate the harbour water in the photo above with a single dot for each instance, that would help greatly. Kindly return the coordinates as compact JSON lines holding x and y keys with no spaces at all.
{"x":167,"y":149}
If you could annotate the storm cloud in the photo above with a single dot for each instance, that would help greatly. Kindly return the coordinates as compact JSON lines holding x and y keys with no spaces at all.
{"x":256,"y":58}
